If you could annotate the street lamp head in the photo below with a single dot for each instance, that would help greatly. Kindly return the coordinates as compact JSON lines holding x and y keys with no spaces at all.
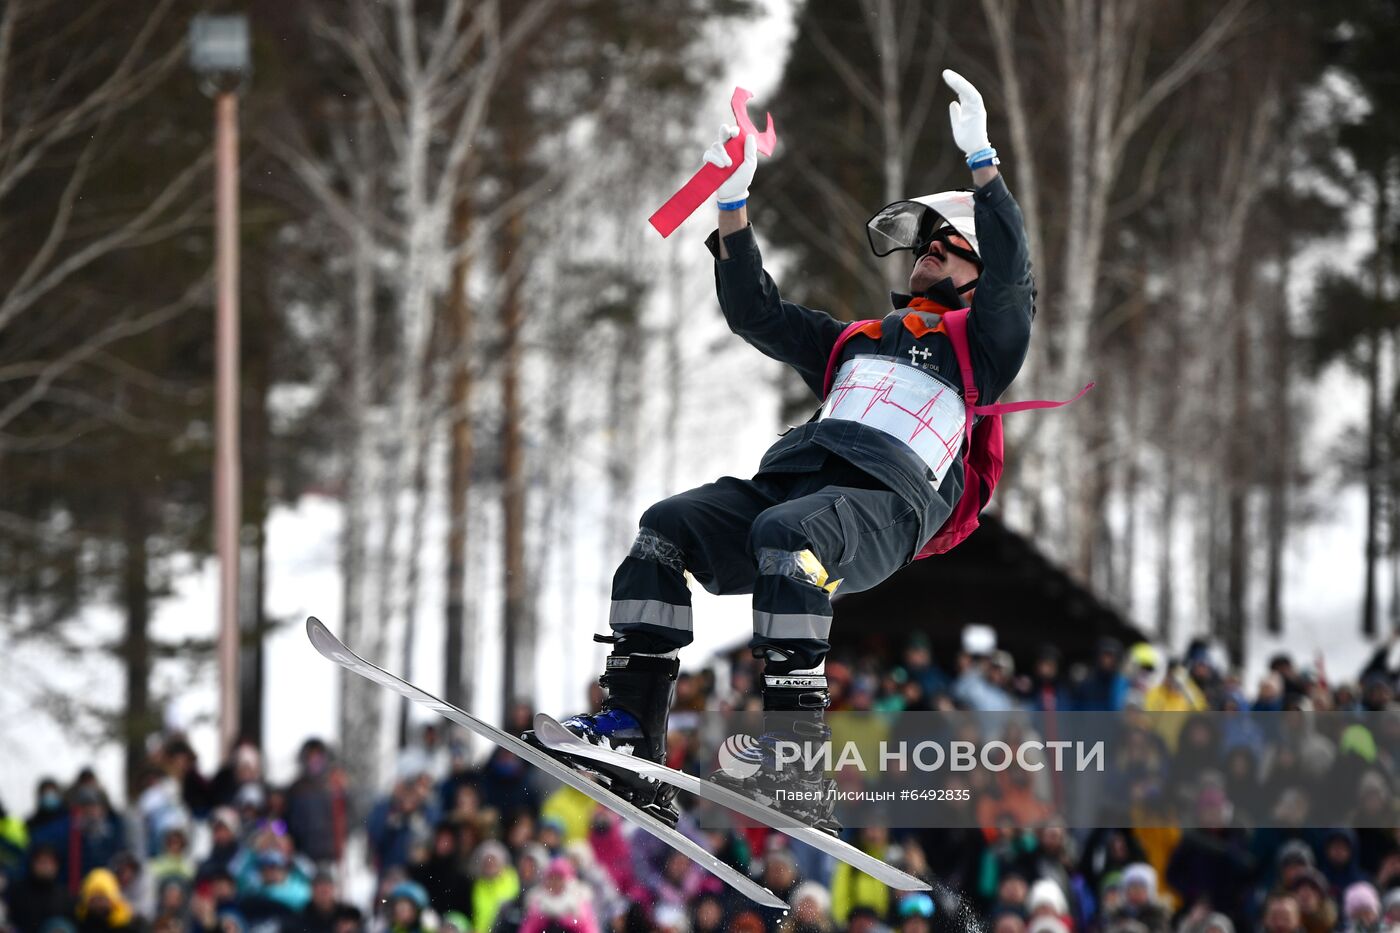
{"x":219,"y":51}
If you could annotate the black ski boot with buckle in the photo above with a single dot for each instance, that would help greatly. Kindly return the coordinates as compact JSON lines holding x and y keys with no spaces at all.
{"x":632,"y":719}
{"x":794,"y":713}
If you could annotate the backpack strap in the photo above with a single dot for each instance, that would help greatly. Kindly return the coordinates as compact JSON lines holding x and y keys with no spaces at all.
{"x":955,"y":322}
{"x":847,"y":333}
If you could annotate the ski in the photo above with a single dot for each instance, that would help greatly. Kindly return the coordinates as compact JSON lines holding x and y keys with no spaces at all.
{"x":553,"y":734}
{"x":333,"y":649}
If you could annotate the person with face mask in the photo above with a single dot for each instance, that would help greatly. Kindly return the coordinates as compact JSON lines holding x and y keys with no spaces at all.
{"x":853,"y":495}
{"x":48,"y":805}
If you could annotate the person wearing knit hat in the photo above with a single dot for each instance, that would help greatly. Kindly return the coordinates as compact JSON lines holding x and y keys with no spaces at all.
{"x":1111,"y":893}
{"x":811,"y":906}
{"x":1295,"y":851}
{"x":670,"y":918}
{"x":1047,"y":899}
{"x":560,"y":900}
{"x":1140,"y":901}
{"x":1316,"y":909}
{"x":407,"y":901}
{"x":1140,"y":877}
{"x":1362,"y":907}
{"x":1294,"y":857}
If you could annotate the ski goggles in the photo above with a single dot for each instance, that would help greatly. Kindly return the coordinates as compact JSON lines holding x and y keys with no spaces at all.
{"x":913,"y":226}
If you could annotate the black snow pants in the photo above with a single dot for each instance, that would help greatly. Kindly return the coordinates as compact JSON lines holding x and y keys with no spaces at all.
{"x":790,"y":539}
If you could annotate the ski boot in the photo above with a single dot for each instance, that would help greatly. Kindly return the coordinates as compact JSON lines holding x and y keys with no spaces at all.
{"x":632,"y":719}
{"x":794,"y":711}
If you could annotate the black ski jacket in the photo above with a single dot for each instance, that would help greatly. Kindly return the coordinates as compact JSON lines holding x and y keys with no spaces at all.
{"x":999,"y":329}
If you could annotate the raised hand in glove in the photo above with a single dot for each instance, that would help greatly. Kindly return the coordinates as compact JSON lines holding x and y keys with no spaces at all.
{"x":968,"y":116}
{"x":735,"y":190}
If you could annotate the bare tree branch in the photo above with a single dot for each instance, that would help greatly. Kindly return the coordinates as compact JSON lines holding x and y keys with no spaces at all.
{"x":54,"y":369}
{"x":127,"y":234}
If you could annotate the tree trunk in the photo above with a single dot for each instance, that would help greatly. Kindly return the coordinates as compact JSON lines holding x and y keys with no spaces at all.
{"x":139,"y":719}
{"x":518,"y":676}
{"x":359,"y":699}
{"x":459,"y":466}
{"x":256,"y":449}
{"x":1166,"y":569}
{"x":1280,"y":466}
{"x":1373,"y":429}
{"x":1392,"y":486}
{"x":415,"y":546}
{"x":1238,"y":483}
{"x":1369,"y":612}
{"x":250,"y":661}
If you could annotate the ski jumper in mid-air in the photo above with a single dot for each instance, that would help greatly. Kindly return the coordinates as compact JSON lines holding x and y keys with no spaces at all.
{"x":853,"y":495}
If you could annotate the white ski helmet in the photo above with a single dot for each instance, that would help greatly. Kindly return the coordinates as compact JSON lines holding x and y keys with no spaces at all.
{"x":915,"y":223}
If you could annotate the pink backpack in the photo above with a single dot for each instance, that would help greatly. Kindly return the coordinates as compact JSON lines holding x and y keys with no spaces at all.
{"x":982,"y":452}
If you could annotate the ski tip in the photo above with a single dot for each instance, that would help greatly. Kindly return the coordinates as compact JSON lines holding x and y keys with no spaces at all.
{"x":321,"y":638}
{"x":549,"y":731}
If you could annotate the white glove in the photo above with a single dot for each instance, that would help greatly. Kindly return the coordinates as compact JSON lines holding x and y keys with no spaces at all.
{"x":736,"y":186}
{"x":967,"y":114}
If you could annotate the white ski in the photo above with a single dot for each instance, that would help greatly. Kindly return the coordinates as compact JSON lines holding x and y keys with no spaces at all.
{"x":552,"y":733}
{"x":332,"y":648}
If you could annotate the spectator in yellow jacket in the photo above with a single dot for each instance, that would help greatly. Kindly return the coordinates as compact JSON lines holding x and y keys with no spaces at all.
{"x":1176,"y":693}
{"x":851,"y":888}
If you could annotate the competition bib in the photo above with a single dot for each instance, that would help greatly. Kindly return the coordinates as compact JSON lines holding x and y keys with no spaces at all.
{"x":915,"y":407}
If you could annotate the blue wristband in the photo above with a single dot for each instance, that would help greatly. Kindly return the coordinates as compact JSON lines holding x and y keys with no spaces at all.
{"x":985,"y":163}
{"x":985,"y":154}
{"x":731,"y":205}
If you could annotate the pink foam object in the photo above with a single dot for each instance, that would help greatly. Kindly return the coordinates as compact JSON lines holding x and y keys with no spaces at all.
{"x":707,"y":180}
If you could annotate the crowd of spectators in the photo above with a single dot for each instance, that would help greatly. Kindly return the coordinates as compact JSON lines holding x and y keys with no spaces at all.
{"x":457,"y":844}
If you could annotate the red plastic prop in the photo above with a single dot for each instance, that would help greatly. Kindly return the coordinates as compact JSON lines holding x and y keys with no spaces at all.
{"x":707,"y":181}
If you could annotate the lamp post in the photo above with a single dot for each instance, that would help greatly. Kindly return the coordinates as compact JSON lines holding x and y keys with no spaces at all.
{"x":219,"y":54}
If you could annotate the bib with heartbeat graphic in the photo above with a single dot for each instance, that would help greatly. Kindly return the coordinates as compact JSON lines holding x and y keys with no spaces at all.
{"x":913,"y":406}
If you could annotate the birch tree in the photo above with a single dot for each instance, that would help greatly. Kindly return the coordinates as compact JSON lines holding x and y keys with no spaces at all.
{"x":427,"y":74}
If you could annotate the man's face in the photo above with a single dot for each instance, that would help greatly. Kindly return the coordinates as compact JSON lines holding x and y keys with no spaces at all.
{"x":1012,"y":891}
{"x":939,"y":264}
{"x":403,"y":912}
{"x":709,"y":915}
{"x":1281,"y":916}
{"x":44,"y":866}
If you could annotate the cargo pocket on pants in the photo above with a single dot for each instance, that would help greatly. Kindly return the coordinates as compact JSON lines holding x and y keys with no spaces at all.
{"x":842,"y":516}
